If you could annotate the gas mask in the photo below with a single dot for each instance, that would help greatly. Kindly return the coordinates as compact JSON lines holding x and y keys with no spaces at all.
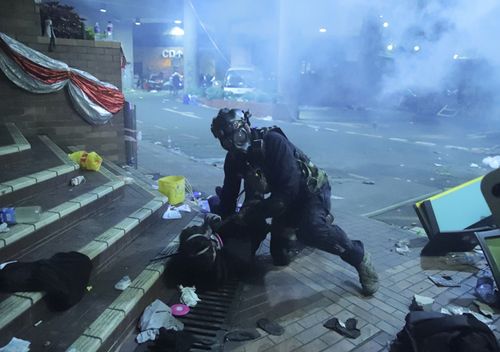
{"x":231,"y":128}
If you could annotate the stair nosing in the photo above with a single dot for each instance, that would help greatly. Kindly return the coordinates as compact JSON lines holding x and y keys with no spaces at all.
{"x":20,"y":142}
{"x":22,"y":182}
{"x":82,"y":200}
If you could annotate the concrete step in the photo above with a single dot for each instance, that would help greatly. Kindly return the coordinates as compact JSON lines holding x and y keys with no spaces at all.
{"x":12,"y":140}
{"x":119,"y":318}
{"x":104,"y":312}
{"x":23,"y":309}
{"x":43,"y":166}
{"x":62,"y":206}
{"x":115,"y":223}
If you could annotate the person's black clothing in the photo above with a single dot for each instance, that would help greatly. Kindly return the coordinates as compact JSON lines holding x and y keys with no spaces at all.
{"x":292,"y":203}
{"x":64,"y":277}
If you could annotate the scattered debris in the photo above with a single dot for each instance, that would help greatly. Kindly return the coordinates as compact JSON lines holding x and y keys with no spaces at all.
{"x":4,"y":227}
{"x":492,"y":161}
{"x":270,"y":327}
{"x":438,"y":165}
{"x":485,"y":290}
{"x":189,"y":296}
{"x":204,"y":206}
{"x":123,"y":283}
{"x":127,"y":180}
{"x":402,"y":247}
{"x":37,"y":323}
{"x":456,"y":310}
{"x":184,"y":207}
{"x":368,"y":182}
{"x":171,"y":213}
{"x":75,"y":181}
{"x":157,"y":143}
{"x":463,"y":258}
{"x":422,"y":303}
{"x":443,"y":281}
{"x":16,"y":345}
{"x":46,"y":344}
{"x":179,"y":310}
{"x":155,"y":316}
{"x":89,"y":288}
{"x":484,"y":309}
{"x":336,"y":197}
{"x":155,"y":186}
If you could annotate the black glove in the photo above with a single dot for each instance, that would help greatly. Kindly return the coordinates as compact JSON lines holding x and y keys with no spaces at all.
{"x":213,"y":220}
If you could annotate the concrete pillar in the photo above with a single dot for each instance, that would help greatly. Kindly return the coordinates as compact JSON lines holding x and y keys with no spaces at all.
{"x":124,"y":34}
{"x":190,"y":48}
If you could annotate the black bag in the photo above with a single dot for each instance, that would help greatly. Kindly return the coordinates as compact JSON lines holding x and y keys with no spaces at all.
{"x":436,"y":332}
{"x":63,"y":277}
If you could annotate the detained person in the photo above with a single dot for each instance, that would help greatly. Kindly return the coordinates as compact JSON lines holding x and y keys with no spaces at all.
{"x":298,"y":200}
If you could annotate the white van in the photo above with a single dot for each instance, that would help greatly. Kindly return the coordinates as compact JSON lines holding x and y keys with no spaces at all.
{"x":241,"y":80}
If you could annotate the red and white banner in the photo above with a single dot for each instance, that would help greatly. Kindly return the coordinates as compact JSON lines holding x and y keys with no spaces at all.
{"x":29,"y":69}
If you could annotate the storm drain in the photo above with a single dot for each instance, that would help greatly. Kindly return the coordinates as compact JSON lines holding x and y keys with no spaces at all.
{"x":208,"y":318}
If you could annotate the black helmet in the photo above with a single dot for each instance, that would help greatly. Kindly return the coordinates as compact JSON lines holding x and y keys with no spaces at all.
{"x":231,"y":128}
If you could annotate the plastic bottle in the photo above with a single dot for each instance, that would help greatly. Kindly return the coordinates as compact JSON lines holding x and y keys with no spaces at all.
{"x":28,"y":214}
{"x":485,"y":290}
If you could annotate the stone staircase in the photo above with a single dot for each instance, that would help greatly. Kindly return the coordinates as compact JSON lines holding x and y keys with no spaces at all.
{"x":117,"y":224}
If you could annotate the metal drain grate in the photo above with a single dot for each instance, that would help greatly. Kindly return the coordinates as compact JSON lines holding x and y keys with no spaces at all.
{"x":208,"y":318}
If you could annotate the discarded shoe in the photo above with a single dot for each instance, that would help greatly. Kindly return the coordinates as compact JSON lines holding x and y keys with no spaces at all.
{"x":348,"y":329}
{"x":270,"y":327}
{"x":241,"y":335}
{"x":368,"y":276}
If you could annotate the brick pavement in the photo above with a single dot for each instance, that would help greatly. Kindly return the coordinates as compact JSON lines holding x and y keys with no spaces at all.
{"x":318,"y":286}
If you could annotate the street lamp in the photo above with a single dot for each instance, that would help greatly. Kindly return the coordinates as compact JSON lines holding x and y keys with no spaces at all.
{"x":416,"y":48}
{"x":455,"y":57}
{"x":177,"y":21}
{"x":137,"y":21}
{"x":322,"y":30}
{"x":177,"y":31}
{"x":390,"y":47}
{"x":386,"y":24}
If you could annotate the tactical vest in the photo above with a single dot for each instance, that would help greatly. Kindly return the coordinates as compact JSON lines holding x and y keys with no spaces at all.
{"x":314,"y":177}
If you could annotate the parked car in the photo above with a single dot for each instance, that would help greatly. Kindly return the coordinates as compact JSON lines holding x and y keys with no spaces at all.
{"x":241,"y":80}
{"x":156,"y":81}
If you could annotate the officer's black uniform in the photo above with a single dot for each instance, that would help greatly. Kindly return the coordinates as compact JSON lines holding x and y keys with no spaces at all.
{"x":293,"y":202}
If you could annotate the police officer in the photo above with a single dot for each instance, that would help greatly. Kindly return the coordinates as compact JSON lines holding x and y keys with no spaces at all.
{"x":299,"y":193}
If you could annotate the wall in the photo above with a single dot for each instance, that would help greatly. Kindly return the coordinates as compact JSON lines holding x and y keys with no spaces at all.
{"x":53,"y":114}
{"x":153,"y":61}
{"x":123,"y":34}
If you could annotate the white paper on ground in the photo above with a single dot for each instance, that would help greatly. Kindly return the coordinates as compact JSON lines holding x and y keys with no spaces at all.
{"x":16,"y":345}
{"x":184,"y":207}
{"x":172,"y":213}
